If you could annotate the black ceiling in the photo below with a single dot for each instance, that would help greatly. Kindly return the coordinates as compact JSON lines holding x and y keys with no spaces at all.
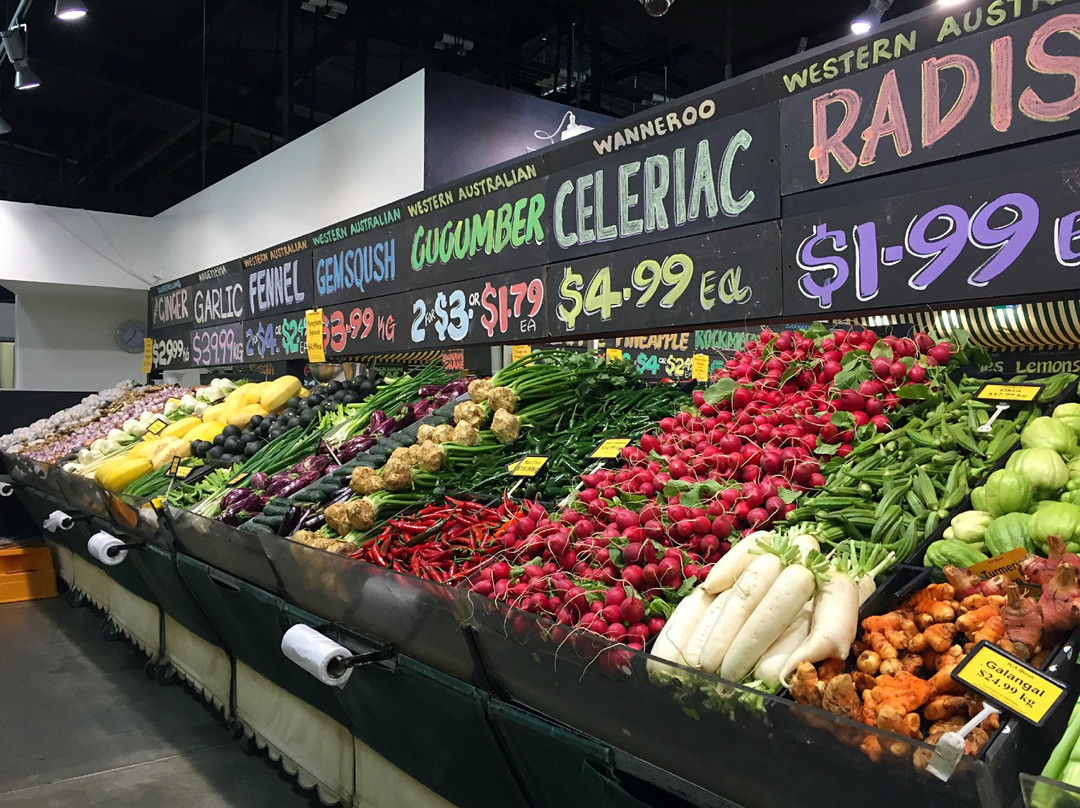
{"x":116,"y":123}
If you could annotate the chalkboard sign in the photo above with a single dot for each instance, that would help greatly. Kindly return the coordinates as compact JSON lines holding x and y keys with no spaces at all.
{"x":727,"y":276}
{"x":171,"y":307}
{"x":218,"y":345}
{"x":278,"y":279}
{"x":221,"y":297}
{"x":172,"y":348}
{"x":1002,"y":237}
{"x":273,"y":338}
{"x":986,"y":91}
{"x":719,"y":174}
{"x":371,"y":264}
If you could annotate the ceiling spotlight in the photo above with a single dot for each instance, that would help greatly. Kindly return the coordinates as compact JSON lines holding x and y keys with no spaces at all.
{"x":25,"y":78}
{"x":871,"y":18}
{"x":656,"y":8}
{"x":950,"y":2}
{"x":5,"y":127}
{"x":68,"y":10}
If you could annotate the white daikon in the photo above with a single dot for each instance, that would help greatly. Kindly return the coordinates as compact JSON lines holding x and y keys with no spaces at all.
{"x":694,"y":646}
{"x":746,"y":593}
{"x":735,"y":561}
{"x":676,"y":632}
{"x":772,"y":661}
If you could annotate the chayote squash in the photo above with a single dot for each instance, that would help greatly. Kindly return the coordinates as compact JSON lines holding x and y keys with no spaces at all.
{"x":1049,"y":433}
{"x":1068,"y":414}
{"x":1043,"y":467}
{"x":968,"y":526}
{"x":1007,"y":492}
{"x":943,"y":552}
{"x":1007,"y":533}
{"x":1061,"y":519}
{"x":978,"y":498}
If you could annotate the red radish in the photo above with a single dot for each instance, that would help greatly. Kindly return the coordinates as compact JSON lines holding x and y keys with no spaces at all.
{"x":616,"y":632}
{"x":917,"y":374}
{"x":633,"y":575}
{"x":633,"y":610}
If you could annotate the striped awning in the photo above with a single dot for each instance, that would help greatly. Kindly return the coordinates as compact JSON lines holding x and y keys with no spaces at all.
{"x":1026,"y":326}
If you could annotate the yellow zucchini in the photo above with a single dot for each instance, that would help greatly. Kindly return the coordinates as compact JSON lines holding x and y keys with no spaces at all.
{"x":242,"y":417}
{"x":118,"y":474}
{"x":208,"y":430}
{"x":179,"y":429}
{"x":277,"y":393}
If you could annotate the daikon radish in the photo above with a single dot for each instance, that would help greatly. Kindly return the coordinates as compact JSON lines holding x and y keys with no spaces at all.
{"x":748,"y":591}
{"x":769,"y":666}
{"x":693,"y":648}
{"x":734,"y":562}
{"x":770,"y":618}
{"x":807,"y":545}
{"x":675,"y":634}
{"x":834,"y":625}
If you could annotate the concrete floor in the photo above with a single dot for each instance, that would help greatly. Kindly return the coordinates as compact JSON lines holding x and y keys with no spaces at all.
{"x":82,"y":725}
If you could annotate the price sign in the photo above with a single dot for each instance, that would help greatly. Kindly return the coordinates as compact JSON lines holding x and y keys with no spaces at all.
{"x":156,"y":426}
{"x":220,"y":345}
{"x":1010,"y":683}
{"x":699,"y":367}
{"x":713,"y":278}
{"x":528,"y":466}
{"x":170,"y":349}
{"x":1007,"y":564}
{"x":175,"y":402}
{"x":174,"y":466}
{"x":1021,"y":393}
{"x":315,"y":339}
{"x":358,"y":328}
{"x":237,"y":479}
{"x":610,"y":448}
{"x":1015,"y":234}
{"x":148,"y":355}
{"x":518,"y":352}
{"x":613,"y":354}
{"x":273,"y":338}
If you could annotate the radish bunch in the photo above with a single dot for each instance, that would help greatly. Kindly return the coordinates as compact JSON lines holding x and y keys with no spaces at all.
{"x":646,"y":533}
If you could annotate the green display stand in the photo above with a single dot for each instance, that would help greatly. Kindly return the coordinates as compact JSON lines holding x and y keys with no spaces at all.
{"x":39,"y":505}
{"x":125,"y":574}
{"x":159,"y":572}
{"x":560,"y":768}
{"x":251,"y":623}
{"x":435,"y":729}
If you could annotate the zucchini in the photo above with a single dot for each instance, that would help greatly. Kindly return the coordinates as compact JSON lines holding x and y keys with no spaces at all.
{"x":256,"y":527}
{"x":311,"y":494}
{"x":409,"y":431}
{"x":329,"y":486}
{"x":372,"y":463}
{"x":276,"y":507}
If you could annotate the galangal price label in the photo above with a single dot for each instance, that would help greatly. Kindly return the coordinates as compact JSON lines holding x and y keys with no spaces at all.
{"x":1005,"y":680}
{"x":518,"y":352}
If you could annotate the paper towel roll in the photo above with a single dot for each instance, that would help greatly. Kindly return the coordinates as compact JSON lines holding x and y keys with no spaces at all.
{"x":57,"y":519}
{"x":6,"y":489}
{"x":313,"y":652}
{"x":99,"y":544}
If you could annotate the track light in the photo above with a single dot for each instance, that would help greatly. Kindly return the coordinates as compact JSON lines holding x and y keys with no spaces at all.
{"x":15,"y":46}
{"x":5,"y":127}
{"x":950,"y":2}
{"x":871,"y":18}
{"x":68,"y":10}
{"x":657,"y":8}
{"x":25,"y":78}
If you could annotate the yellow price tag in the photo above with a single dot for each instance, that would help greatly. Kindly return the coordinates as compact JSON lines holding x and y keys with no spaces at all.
{"x":610,"y":448}
{"x":173,"y":466}
{"x":174,"y":401}
{"x":236,"y":480}
{"x":519,"y":352}
{"x":158,"y":503}
{"x":1007,"y":564}
{"x":156,"y":426}
{"x":528,"y":466}
{"x":1009,"y":392}
{"x":699,"y":367}
{"x":182,"y":472}
{"x":613,"y":354}
{"x":147,"y":355}
{"x":1007,"y":681}
{"x":315,"y":351}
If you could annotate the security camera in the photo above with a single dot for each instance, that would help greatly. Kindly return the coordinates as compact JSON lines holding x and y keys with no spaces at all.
{"x":657,"y":8}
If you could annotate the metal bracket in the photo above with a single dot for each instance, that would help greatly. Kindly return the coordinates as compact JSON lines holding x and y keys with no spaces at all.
{"x":338,"y":665}
{"x":112,"y":552}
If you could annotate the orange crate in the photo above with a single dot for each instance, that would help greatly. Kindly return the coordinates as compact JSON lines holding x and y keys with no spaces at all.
{"x":26,"y":573}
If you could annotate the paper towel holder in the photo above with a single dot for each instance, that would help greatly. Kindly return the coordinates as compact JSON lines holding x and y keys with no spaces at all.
{"x":115,"y":549}
{"x":338,"y":665}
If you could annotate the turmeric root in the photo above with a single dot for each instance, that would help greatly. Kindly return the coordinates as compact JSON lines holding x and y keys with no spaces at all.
{"x":829,"y":668}
{"x":904,"y":692}
{"x":971,"y":622}
{"x":978,"y":600}
{"x":805,"y":687}
{"x":891,"y":719}
{"x":912,"y":663}
{"x":841,"y":698}
{"x":940,"y":707}
{"x":937,"y":637}
{"x":868,"y":662}
{"x":881,"y":646}
{"x":993,"y":630}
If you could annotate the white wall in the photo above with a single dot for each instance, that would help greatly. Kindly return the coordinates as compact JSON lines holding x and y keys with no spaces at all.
{"x":64,"y":336}
{"x":363,"y":159}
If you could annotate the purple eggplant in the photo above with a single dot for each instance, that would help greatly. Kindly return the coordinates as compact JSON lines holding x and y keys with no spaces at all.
{"x":311,"y":463}
{"x":429,"y":390}
{"x":354,"y":446}
{"x":331,"y":469}
{"x":258,"y":481}
{"x":290,"y":521}
{"x":378,"y":418}
{"x":235,"y":495}
{"x":313,"y":522}
{"x":341,"y":495}
{"x":455,"y":388}
{"x":303,"y":481}
{"x":442,"y":400}
{"x":422,"y":409}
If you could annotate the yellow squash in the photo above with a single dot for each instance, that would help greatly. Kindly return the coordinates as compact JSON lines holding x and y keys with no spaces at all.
{"x":119,"y":473}
{"x":179,"y":429}
{"x":277,"y":393}
{"x":208,"y":430}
